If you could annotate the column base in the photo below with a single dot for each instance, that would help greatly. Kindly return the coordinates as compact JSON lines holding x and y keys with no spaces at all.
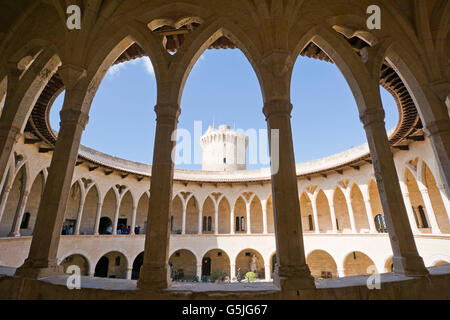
{"x":293,"y":278}
{"x":34,"y":269}
{"x":154,"y":277}
{"x":410,"y":266}
{"x":14,"y":235}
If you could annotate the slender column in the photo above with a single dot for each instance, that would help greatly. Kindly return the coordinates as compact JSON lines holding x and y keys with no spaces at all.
{"x":199,"y":272}
{"x":247,"y":218}
{"x":444,"y":197}
{"x":267,"y":272}
{"x":4,"y":200}
{"x":155,"y":271}
{"x":329,"y":194}
{"x":232,"y":271}
{"x":430,"y":212}
{"x":264,"y":213}
{"x":183,"y":222}
{"x":15,"y":229}
{"x":97,"y":217}
{"x":315,"y":215}
{"x":42,"y":258}
{"x":410,"y":213}
{"x":292,"y":272}
{"x":406,"y":257}
{"x":341,"y":273}
{"x":368,"y":206}
{"x":80,"y":213}
{"x":129,"y":273}
{"x":351,"y":215}
{"x":116,"y":216}
{"x":232,"y":223}
{"x":133,"y":219}
{"x":200,"y":216}
{"x":216,"y":218}
{"x":9,"y":135}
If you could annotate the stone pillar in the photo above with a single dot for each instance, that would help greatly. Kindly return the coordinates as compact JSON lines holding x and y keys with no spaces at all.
{"x":80,"y":213}
{"x":232,"y":223}
{"x":129,"y":273}
{"x":406,"y":258}
{"x":199,"y":272}
{"x":292,"y":272}
{"x":216,"y":218}
{"x":155,"y":271}
{"x":232,"y":271}
{"x":444,"y":197}
{"x":351,"y":215}
{"x":247,"y":217}
{"x":341,"y":273}
{"x":9,"y":135}
{"x":368,"y":206}
{"x":97,"y":217}
{"x":429,"y":208}
{"x":133,"y":219}
{"x":42,"y":258}
{"x":267,"y":272}
{"x":264,"y":213}
{"x":315,"y":215}
{"x":116,"y":217}
{"x":15,"y":229}
{"x":200,"y":216}
{"x":4,"y":200}
{"x":329,"y":194}
{"x":183,"y":221}
{"x":410,"y":213}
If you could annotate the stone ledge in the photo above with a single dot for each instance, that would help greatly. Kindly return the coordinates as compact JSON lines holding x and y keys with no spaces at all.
{"x":393,"y":287}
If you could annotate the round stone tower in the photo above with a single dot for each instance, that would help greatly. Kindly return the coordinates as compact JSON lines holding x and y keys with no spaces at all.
{"x":224,"y":149}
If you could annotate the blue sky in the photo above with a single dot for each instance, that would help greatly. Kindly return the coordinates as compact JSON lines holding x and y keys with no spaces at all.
{"x":223,"y":88}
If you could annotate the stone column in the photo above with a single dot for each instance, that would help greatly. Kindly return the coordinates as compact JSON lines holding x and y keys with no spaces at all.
{"x":199,"y":272}
{"x":133,"y":219}
{"x":80,"y":213}
{"x":247,"y":217}
{"x":444,"y":197}
{"x":264,"y":213}
{"x":267,"y":272}
{"x":216,"y":218}
{"x":315,"y":215}
{"x":292,"y":272}
{"x":155,"y":271}
{"x":4,"y":200}
{"x":42,"y":258}
{"x":329,"y":194}
{"x":200,"y":216}
{"x":9,"y":135}
{"x":15,"y":229}
{"x":232,"y":223}
{"x":232,"y":271}
{"x":429,"y":208}
{"x":183,"y":221}
{"x":129,"y":273}
{"x":368,"y":206}
{"x":116,"y":216}
{"x":351,"y":215}
{"x":410,"y":213}
{"x":406,"y":257}
{"x":97,"y":217}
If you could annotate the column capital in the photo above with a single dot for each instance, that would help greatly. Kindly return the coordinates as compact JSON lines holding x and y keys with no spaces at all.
{"x":372,"y":116}
{"x":437,"y":127}
{"x":277,"y":107}
{"x":74,"y":117}
{"x":167,"y":111}
{"x":71,"y":74}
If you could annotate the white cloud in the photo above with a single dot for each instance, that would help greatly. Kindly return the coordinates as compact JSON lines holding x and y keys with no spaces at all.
{"x":143,"y":62}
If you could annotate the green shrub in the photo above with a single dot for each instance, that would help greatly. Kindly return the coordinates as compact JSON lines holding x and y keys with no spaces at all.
{"x":250,"y":276}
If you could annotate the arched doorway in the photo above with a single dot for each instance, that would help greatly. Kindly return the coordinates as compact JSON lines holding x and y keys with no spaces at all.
{"x":105,"y":226}
{"x":137,"y":264}
{"x":112,"y":265}
{"x":184,"y":266}
{"x":76,"y":260}
{"x":357,"y":263}
{"x":250,"y":259}
{"x":322,"y":265}
{"x":215,"y":265}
